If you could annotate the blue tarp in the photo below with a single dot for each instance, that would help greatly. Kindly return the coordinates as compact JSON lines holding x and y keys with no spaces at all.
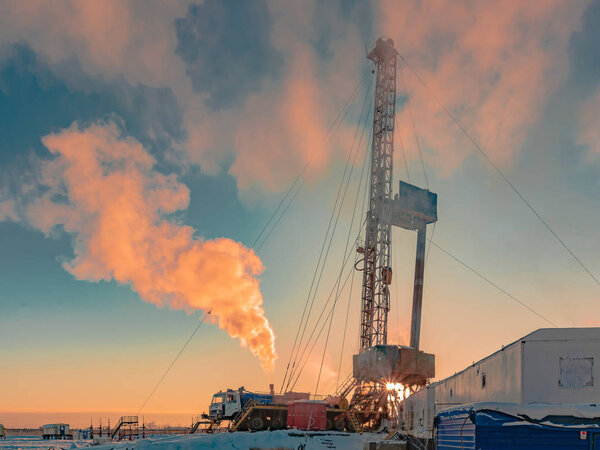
{"x":470,"y":427}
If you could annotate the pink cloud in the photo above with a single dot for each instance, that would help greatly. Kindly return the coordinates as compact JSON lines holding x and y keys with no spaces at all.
{"x":589,"y":129}
{"x":116,"y":207}
{"x":281,"y":134}
{"x":8,"y":210}
{"x":285,"y":126}
{"x":493,"y":64}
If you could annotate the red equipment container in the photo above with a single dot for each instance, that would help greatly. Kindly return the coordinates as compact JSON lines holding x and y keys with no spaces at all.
{"x":307,"y":415}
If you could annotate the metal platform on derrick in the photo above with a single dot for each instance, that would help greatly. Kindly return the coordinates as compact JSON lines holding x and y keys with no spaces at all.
{"x":394,"y":364}
{"x":412,"y":207}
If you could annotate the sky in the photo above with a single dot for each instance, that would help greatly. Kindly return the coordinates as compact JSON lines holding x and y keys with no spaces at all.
{"x":144,"y":145}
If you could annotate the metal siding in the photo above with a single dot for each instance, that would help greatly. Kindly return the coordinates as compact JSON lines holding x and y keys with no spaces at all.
{"x":542,"y":358}
{"x":526,"y":437}
{"x":497,"y":431}
{"x":419,"y":411}
{"x":307,"y":415}
{"x":513,"y":375}
{"x":455,"y":431}
{"x":503,"y":380}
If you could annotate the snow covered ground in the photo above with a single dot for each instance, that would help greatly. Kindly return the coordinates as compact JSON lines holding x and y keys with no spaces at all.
{"x":242,"y":440}
{"x":34,"y":443}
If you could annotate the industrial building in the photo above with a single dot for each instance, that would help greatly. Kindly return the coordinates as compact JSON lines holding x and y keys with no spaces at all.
{"x":551,"y":365}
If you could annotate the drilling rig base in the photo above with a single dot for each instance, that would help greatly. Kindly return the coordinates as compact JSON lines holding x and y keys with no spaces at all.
{"x":394,"y":364}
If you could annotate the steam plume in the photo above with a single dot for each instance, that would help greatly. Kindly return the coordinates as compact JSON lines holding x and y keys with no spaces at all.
{"x":102,"y":188}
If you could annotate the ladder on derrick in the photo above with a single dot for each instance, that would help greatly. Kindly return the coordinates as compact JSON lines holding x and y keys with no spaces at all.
{"x":354,"y":421}
{"x":346,"y":387}
{"x":243,"y":415}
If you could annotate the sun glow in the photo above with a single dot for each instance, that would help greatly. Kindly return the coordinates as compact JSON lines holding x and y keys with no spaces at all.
{"x":397,"y":391}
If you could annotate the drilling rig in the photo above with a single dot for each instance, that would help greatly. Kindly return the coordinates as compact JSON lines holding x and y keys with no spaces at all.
{"x":379,"y":367}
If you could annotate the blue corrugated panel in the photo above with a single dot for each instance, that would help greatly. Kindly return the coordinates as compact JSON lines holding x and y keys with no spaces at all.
{"x":529,"y":437}
{"x":463,"y":428}
{"x":455,"y":429}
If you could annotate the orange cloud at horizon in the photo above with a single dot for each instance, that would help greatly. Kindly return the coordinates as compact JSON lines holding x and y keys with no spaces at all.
{"x":102,"y":188}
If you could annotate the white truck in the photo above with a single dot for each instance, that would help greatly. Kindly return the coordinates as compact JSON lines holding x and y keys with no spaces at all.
{"x":247,"y":410}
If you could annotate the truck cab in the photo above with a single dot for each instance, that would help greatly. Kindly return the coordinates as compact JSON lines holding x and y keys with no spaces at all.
{"x":224,"y":405}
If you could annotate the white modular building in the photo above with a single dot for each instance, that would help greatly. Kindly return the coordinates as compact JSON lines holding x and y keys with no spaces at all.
{"x":56,"y":431}
{"x":550,"y":365}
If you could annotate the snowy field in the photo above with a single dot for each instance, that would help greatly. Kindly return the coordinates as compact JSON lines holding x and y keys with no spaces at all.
{"x":242,"y":440}
{"x":28,"y":443}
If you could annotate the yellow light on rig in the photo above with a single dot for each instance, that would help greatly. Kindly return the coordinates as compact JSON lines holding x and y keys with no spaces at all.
{"x":397,"y":391}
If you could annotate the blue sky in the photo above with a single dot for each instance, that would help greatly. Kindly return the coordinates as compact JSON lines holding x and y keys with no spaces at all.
{"x":235,"y":101}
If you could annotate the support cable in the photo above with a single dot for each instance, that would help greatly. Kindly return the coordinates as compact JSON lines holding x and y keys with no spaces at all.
{"x":396,"y":287}
{"x":337,"y":295}
{"x":283,"y":199}
{"x":402,"y":148}
{"x":465,"y":265}
{"x":173,"y":362}
{"x":414,"y":127}
{"x":287,"y":206}
{"x":325,"y":346}
{"x":322,"y":312}
{"x":355,"y":152}
{"x":319,"y":269}
{"x":429,"y":248}
{"x":362,"y":172}
{"x":364,"y":213}
{"x":297,"y":375}
{"x":365,"y":77}
{"x":341,"y":114}
{"x":337,"y":382}
{"x":497,"y":169}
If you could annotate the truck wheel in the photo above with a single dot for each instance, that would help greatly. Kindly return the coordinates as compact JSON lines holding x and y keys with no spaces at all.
{"x":339,"y":424}
{"x":276,"y":423}
{"x":329,"y":424}
{"x":256,"y":423}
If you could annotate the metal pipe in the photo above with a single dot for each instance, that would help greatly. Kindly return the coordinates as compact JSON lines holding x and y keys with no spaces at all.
{"x":415,"y":328}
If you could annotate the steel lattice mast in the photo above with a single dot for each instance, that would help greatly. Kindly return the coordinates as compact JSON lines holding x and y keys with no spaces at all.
{"x":412,"y":208}
{"x":376,"y":263}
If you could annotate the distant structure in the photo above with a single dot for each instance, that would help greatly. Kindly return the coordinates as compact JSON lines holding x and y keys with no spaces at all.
{"x":56,"y":431}
{"x":126,"y":428}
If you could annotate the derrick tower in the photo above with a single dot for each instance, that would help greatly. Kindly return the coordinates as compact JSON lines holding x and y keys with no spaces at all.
{"x":377,"y":273}
{"x":379,"y":365}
